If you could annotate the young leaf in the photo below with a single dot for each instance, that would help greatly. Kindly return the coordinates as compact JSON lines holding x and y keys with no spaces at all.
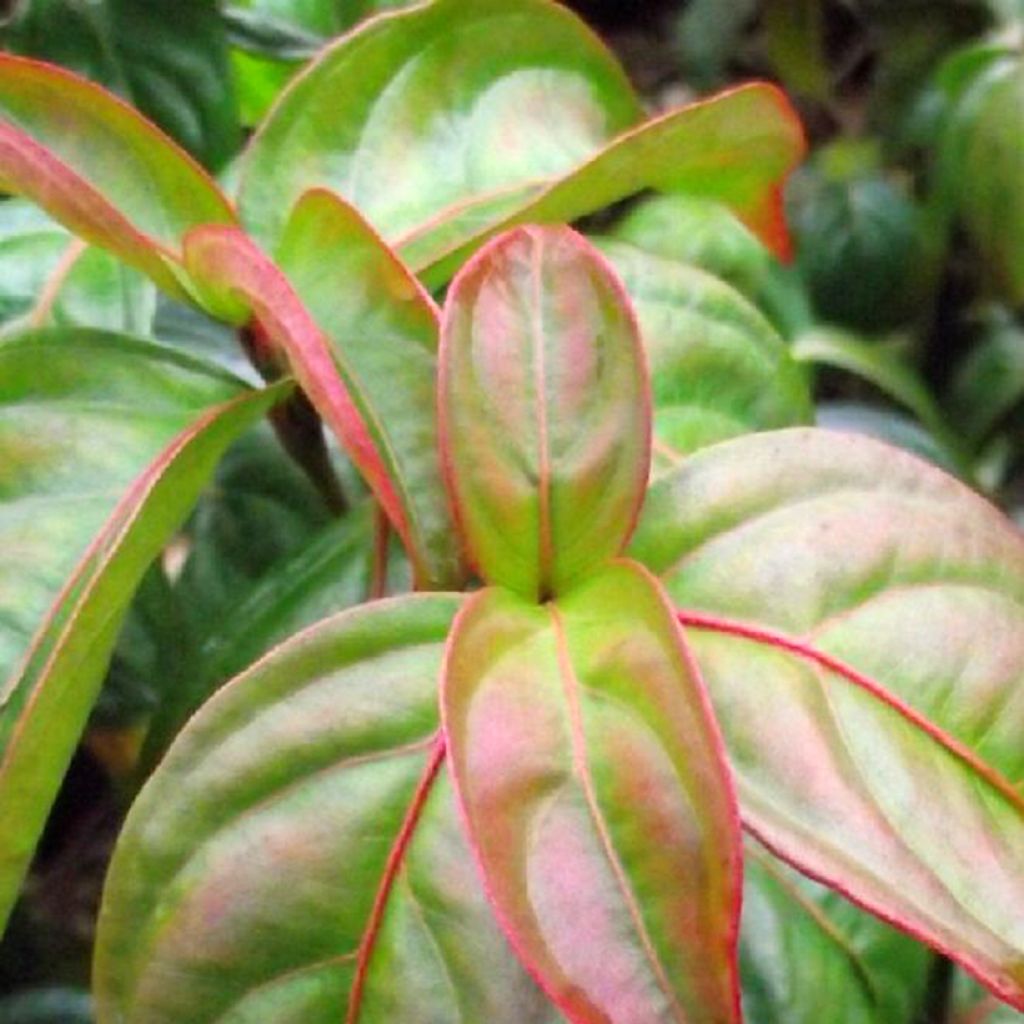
{"x":718,"y":368}
{"x":101,"y":169}
{"x":859,"y":618}
{"x":45,"y":700}
{"x":417,"y":113}
{"x":360,"y":336}
{"x":543,"y":401}
{"x":597,"y":799}
{"x":297,"y":856}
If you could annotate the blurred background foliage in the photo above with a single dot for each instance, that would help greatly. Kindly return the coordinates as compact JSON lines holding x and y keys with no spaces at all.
{"x":903,"y":303}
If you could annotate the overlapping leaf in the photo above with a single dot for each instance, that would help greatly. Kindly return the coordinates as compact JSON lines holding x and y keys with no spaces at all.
{"x":807,"y":956}
{"x":100,"y":168}
{"x":52,"y":680}
{"x":597,"y":799}
{"x":462,"y":118}
{"x":49,"y":277}
{"x":718,"y":368}
{"x":360,"y":335}
{"x":454,"y":102}
{"x":859,"y":617}
{"x":544,"y":410}
{"x":297,"y":857}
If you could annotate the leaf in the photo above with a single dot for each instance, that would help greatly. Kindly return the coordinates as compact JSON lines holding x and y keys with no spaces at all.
{"x":169,"y":62}
{"x":700,"y":232}
{"x":378,"y":397}
{"x":47,"y":277}
{"x":884,"y":369}
{"x":296,"y":857}
{"x":597,"y":800}
{"x":450,"y":103}
{"x":886,"y":425}
{"x":532,"y":122}
{"x":795,"y":45}
{"x":334,"y":569}
{"x":835,"y":591}
{"x":758,"y":141}
{"x":81,"y":415}
{"x":863,"y":246}
{"x":544,"y":410}
{"x":383,"y":328}
{"x":101,"y":169}
{"x":48,"y":695}
{"x":718,"y":368}
{"x":989,"y":384}
{"x":807,"y":956}
{"x":980,"y":158}
{"x":709,"y":33}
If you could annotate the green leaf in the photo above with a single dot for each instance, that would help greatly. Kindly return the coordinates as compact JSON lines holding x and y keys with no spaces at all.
{"x":989,"y":384}
{"x":980,"y":160}
{"x":169,"y":61}
{"x":882,"y":367}
{"x":444,"y":105}
{"x":718,"y":368}
{"x":757,"y":142}
{"x":835,"y":591}
{"x":544,"y":410}
{"x":383,"y":329}
{"x":102,"y":170}
{"x":48,"y":277}
{"x":862,"y":245}
{"x":597,"y":799}
{"x":81,"y":415}
{"x":700,"y":232}
{"x":377,"y":396}
{"x":464,"y":117}
{"x":297,"y":856}
{"x":77,"y":444}
{"x":709,"y":33}
{"x":807,"y":956}
{"x":795,"y":44}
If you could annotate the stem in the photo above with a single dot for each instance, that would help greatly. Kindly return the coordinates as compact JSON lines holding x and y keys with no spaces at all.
{"x":381,"y":537}
{"x":937,"y":1007}
{"x":301,"y":434}
{"x":295,"y":421}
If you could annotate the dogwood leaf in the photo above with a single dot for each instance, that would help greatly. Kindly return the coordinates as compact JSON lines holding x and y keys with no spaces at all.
{"x":718,"y":368}
{"x":101,"y":169}
{"x":859,"y":618}
{"x":61,"y":481}
{"x":360,"y":335}
{"x":297,"y":856}
{"x":597,"y":799}
{"x":543,"y":406}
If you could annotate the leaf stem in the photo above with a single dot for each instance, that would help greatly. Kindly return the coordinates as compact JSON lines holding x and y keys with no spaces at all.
{"x":937,"y":1006}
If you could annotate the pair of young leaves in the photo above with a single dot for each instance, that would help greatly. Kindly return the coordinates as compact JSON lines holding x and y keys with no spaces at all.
{"x":791,"y":552}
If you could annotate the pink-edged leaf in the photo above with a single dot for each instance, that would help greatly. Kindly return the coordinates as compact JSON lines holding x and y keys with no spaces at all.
{"x":737,"y":147}
{"x":46,"y":700}
{"x":597,"y":799}
{"x":241,"y":282}
{"x":544,"y":410}
{"x":298,"y":858}
{"x":101,"y":169}
{"x":383,"y":329}
{"x":859,"y":618}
